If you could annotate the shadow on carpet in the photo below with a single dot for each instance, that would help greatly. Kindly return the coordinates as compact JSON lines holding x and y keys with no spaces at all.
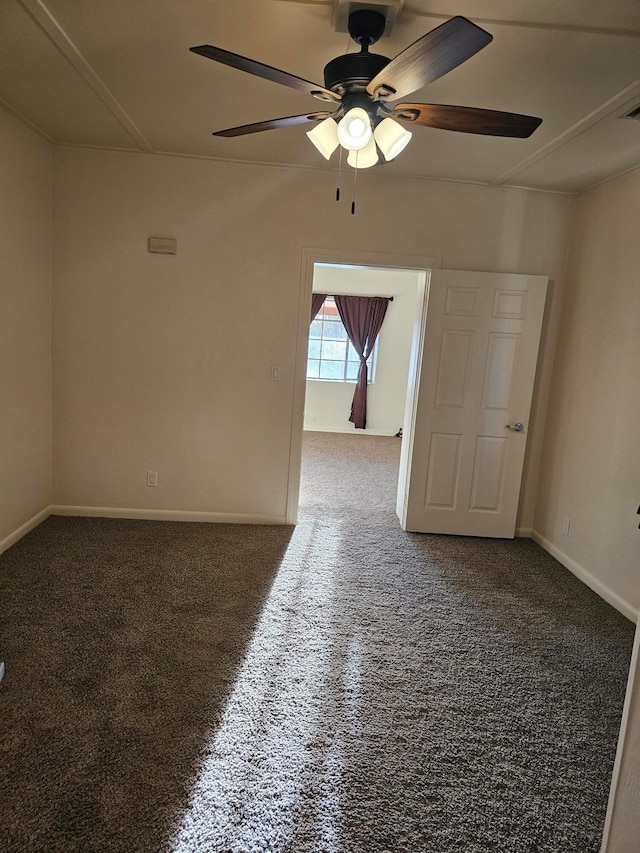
{"x":123,"y":641}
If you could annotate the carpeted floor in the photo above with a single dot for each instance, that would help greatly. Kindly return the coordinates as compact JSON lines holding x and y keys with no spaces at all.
{"x":343,"y":687}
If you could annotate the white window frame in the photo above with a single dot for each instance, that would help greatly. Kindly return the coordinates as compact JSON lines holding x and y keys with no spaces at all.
{"x":349,"y":349}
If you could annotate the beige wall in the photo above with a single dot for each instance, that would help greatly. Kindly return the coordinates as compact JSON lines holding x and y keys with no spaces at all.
{"x":328,"y":404}
{"x":163,"y":363}
{"x":591,"y":466}
{"x":591,"y":462}
{"x":25,"y":336}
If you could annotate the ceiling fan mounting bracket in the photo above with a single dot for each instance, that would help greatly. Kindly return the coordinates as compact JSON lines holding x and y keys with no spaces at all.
{"x":366,"y":27}
{"x":383,"y":92}
{"x":342,"y":10}
{"x":406,"y":115}
{"x":322,"y":96}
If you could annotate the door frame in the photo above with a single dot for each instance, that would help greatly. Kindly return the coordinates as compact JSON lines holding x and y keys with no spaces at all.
{"x":347,"y":257}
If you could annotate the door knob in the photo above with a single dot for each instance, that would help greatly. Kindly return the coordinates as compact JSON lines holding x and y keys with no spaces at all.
{"x":517,"y":427}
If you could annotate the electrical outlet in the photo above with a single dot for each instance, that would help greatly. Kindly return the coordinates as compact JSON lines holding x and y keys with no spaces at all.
{"x":152,"y":478}
{"x":566,"y":526}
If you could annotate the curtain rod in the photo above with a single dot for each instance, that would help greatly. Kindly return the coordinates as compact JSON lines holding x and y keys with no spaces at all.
{"x":390,"y":298}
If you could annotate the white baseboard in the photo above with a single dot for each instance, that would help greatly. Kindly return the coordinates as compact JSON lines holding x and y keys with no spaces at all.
{"x":25,"y":528}
{"x":523,"y":532}
{"x":586,"y":577}
{"x":350,"y":431}
{"x":166,"y":515}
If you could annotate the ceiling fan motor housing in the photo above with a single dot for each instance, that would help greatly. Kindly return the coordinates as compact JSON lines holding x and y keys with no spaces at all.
{"x":353,"y":71}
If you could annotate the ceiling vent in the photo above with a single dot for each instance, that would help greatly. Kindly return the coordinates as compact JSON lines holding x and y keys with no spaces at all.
{"x":343,"y":8}
{"x":634,"y":113}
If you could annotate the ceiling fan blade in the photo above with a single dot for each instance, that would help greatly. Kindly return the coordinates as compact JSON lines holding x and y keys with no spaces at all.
{"x":429,"y":58}
{"x":267,"y":72}
{"x":272,"y":124}
{"x":467,"y":119}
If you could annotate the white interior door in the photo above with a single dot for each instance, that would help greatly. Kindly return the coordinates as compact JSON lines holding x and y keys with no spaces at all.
{"x":466,"y":428}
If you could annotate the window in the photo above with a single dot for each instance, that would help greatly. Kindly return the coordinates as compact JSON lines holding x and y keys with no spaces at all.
{"x":331,"y":354}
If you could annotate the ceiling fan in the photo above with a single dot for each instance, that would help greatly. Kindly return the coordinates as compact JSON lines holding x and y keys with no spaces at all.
{"x":365,"y":91}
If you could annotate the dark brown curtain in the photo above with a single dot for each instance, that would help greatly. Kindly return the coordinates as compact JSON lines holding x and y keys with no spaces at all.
{"x":362,"y":317}
{"x":317,"y":301}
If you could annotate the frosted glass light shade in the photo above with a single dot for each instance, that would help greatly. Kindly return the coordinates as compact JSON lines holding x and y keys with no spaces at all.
{"x":354,"y":131}
{"x":365,"y":157}
{"x":391,"y":137}
{"x":325,"y":137}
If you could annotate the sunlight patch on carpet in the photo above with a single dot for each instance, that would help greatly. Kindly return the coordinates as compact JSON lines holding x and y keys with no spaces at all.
{"x":261,"y":766}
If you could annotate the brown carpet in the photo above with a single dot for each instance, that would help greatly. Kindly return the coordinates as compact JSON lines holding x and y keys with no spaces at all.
{"x":343,"y":687}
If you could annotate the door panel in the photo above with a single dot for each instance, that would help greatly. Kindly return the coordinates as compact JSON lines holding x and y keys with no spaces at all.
{"x":476,"y":376}
{"x":453,"y":369}
{"x":488,"y":474}
{"x":444,"y":468}
{"x":501,"y":369}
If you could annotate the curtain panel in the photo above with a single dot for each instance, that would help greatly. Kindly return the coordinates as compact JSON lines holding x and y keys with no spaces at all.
{"x":317,"y":301}
{"x":362,"y":317}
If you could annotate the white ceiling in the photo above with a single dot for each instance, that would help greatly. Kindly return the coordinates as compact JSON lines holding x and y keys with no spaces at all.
{"x":118,"y":74}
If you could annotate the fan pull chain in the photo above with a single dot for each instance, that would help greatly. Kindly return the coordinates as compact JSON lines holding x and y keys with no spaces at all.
{"x":355,"y":175}
{"x":346,"y":50}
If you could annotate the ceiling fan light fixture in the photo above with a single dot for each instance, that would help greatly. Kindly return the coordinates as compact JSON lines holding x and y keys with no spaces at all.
{"x":354,"y":131}
{"x":365,"y":157}
{"x":325,"y":137}
{"x":391,"y":137}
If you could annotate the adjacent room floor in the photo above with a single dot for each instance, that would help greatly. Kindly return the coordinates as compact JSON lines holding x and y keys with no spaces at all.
{"x":343,"y":687}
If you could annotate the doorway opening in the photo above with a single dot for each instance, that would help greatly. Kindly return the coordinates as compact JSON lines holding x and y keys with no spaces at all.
{"x":363,"y":463}
{"x":324,"y":393}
